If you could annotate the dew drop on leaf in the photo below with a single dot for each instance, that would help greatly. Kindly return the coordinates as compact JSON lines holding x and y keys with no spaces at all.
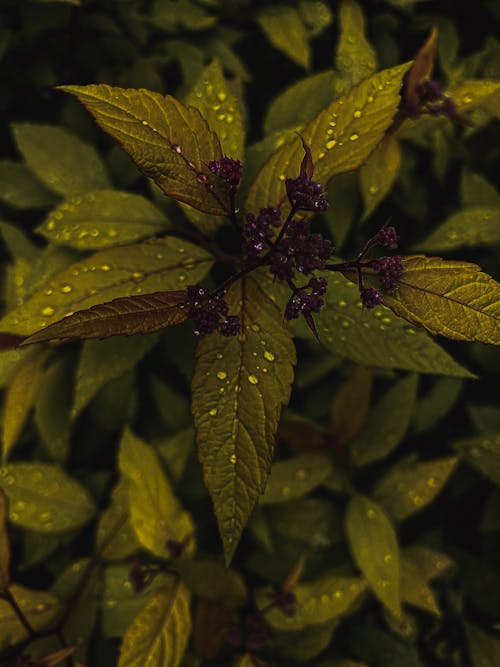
{"x":252,"y":379}
{"x":354,"y":136}
{"x":222,"y":375}
{"x":269,"y":356}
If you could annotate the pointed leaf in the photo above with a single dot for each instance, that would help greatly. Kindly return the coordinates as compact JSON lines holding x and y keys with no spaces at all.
{"x":285,"y":29}
{"x":159,"y":633}
{"x":484,"y":648}
{"x":408,"y":488}
{"x":374,"y":546}
{"x":38,"y":607}
{"x":355,"y":57}
{"x":19,"y":188}
{"x":43,"y":498}
{"x":211,"y":580}
{"x":102,"y":218}
{"x":475,"y":226}
{"x":431,"y":563}
{"x":115,"y":538}
{"x":421,"y":69}
{"x":238,"y":388}
{"x":377,"y":175}
{"x":473,"y":93}
{"x":351,"y":405}
{"x":483,"y":453}
{"x":60,"y":159}
{"x":169,"y":142}
{"x":475,"y":190}
{"x":141,"y":268}
{"x":414,"y":588}
{"x":436,"y":403}
{"x":4,"y":543}
{"x":296,"y":477}
{"x":156,"y":514}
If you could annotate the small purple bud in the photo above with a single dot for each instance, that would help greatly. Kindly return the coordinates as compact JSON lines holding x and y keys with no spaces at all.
{"x":227,"y":169}
{"x":370,"y":297}
{"x":136,"y":575}
{"x":388,"y":237}
{"x":230,"y":326}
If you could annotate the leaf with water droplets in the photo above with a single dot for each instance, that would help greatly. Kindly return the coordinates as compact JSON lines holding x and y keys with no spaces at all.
{"x":387,"y":423}
{"x":4,"y":542}
{"x":38,"y":607}
{"x":351,"y":405}
{"x":415,"y":589}
{"x":285,"y":29}
{"x":19,"y":188}
{"x":473,"y":93}
{"x":481,"y":452}
{"x":484,"y":647}
{"x":159,"y":633}
{"x":374,"y":546}
{"x":169,"y":142}
{"x":377,"y":175}
{"x":20,"y":397}
{"x":141,"y":268}
{"x":409,"y":487}
{"x":431,"y":562}
{"x":61,"y":160}
{"x":115,"y":537}
{"x":156,"y":514}
{"x":238,"y":388}
{"x":318,"y":601}
{"x":355,"y":57}
{"x":340,"y":137}
{"x":296,"y":477}
{"x":102,"y":218}
{"x":475,"y":226}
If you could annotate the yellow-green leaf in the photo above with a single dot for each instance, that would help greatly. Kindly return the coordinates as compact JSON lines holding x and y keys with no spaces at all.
{"x":296,"y":477}
{"x":285,"y":29}
{"x":169,"y":142}
{"x":20,"y":397}
{"x":451,"y":298}
{"x":159,"y":633}
{"x":211,"y":580}
{"x":377,"y":175}
{"x":484,"y":647}
{"x":351,"y":405}
{"x":431,"y":563}
{"x":20,"y":188}
{"x":475,"y":226}
{"x":4,"y":542}
{"x":340,"y":137}
{"x":102,"y":218}
{"x":483,"y":453}
{"x":408,"y":488}
{"x":140,"y":268}
{"x":355,"y":57}
{"x":39,"y":608}
{"x":414,"y":588}
{"x":115,"y":538}
{"x":60,"y":159}
{"x":238,"y":388}
{"x":156,"y":514}
{"x":374,"y":546}
{"x":43,"y":498}
{"x":318,"y":601}
{"x":473,"y":93}
{"x":475,"y":190}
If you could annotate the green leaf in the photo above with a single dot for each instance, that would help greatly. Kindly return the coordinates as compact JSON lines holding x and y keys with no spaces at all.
{"x":296,"y":477}
{"x":211,"y":580}
{"x":475,"y":226}
{"x":473,"y":93}
{"x":314,"y":522}
{"x":38,"y":607}
{"x":172,"y":406}
{"x":44,"y":498}
{"x":452,"y":298}
{"x":5,"y":552}
{"x":238,"y":388}
{"x":115,"y":538}
{"x":318,"y":601}
{"x":374,"y":546}
{"x":340,"y":137}
{"x":285,"y":29}
{"x":159,"y":633}
{"x":20,"y":189}
{"x":355,"y":57}
{"x":102,"y":218}
{"x":170,"y":143}
{"x":61,"y":160}
{"x":431,"y":563}
{"x":141,"y":268}
{"x":436,"y":404}
{"x":351,"y":405}
{"x":343,"y":190}
{"x":477,"y":191}
{"x":156,"y":514}
{"x":484,"y":648}
{"x":414,"y":588}
{"x":377,"y":175}
{"x":481,"y":452}
{"x":304,"y":645}
{"x":409,"y":487}
{"x":176,"y":450}
{"x":387,"y":423}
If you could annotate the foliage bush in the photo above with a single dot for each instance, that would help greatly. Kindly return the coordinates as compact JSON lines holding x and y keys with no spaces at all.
{"x":166,"y":498}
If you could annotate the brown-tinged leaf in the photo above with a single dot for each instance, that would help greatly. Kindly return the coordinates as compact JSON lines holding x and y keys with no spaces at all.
{"x":56,"y":657}
{"x":351,"y":405}
{"x":421,"y":69}
{"x":169,"y":142}
{"x":4,"y":542}
{"x":209,"y":628}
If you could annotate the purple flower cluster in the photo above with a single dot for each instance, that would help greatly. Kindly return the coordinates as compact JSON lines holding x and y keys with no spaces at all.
{"x":432,"y":100}
{"x":209,"y":313}
{"x":388,"y":237}
{"x":285,"y":601}
{"x":227,"y":169}
{"x":254,"y":636}
{"x":306,"y":302}
{"x":305,"y":194}
{"x":370,"y":297}
{"x":299,"y":250}
{"x":258,"y":230}
{"x":138,"y":575}
{"x":388,"y":270}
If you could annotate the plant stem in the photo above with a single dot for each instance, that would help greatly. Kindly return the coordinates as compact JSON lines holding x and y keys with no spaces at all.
{"x":8,"y":597}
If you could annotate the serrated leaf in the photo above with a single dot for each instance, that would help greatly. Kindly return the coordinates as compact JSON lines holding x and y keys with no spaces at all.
{"x":481,"y":452}
{"x":4,"y":543}
{"x":387,"y":423}
{"x":484,"y":648}
{"x":410,"y":487}
{"x":39,"y":608}
{"x":378,"y":173}
{"x":20,"y":397}
{"x":285,"y":29}
{"x":102,"y":218}
{"x":20,"y":189}
{"x":451,"y":298}
{"x":475,"y":226}
{"x":355,"y":57}
{"x":156,"y":514}
{"x":115,"y":538}
{"x":296,"y":477}
{"x":141,"y":268}
{"x":414,"y":588}
{"x":169,"y":142}
{"x":211,"y":580}
{"x":374,"y":546}
{"x":319,"y":601}
{"x":350,"y":405}
{"x":159,"y":633}
{"x":61,"y":160}
{"x":236,"y":427}
{"x":340,"y":137}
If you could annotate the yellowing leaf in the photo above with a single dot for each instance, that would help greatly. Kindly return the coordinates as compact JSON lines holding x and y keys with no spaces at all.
{"x":431,"y":563}
{"x":478,"y":225}
{"x":483,"y":453}
{"x":170,"y":143}
{"x":452,"y":298}
{"x":4,"y":543}
{"x":377,"y":175}
{"x":115,"y":537}
{"x":140,"y":268}
{"x":318,"y":601}
{"x":414,"y":588}
{"x":387,"y":423}
{"x":38,"y":607}
{"x":408,"y":488}
{"x":159,"y":633}
{"x":340,"y":137}
{"x":43,"y":498}
{"x":238,"y":388}
{"x":61,"y":160}
{"x":155,"y":513}
{"x":296,"y":477}
{"x":350,"y":405}
{"x":102,"y":218}
{"x":355,"y":58}
{"x":474,"y":93}
{"x":374,"y":546}
{"x":20,"y":188}
{"x":19,"y":399}
{"x":285,"y":29}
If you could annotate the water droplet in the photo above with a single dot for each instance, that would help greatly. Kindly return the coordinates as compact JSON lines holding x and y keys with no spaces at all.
{"x":285,"y":491}
{"x":221,"y":116}
{"x":51,"y":225}
{"x":145,"y":122}
{"x":388,"y":558}
{"x":256,"y":328}
{"x":354,"y":136}
{"x":232,"y":458}
{"x":332,"y":123}
{"x":269,"y":356}
{"x":213,"y":412}
{"x":176,"y":148}
{"x":221,"y":95}
{"x":330,"y":144}
{"x":48,"y":310}
{"x":321,"y":155}
{"x":342,"y":303}
{"x":222,"y":375}
{"x":300,"y":473}
{"x":373,"y":189}
{"x":137,"y":275}
{"x":370,"y":98}
{"x":105,"y":267}
{"x":45,"y":516}
{"x":466,"y":99}
{"x":201,"y":178}
{"x":385,"y":583}
{"x":66,"y":289}
{"x":20,"y":505}
{"x":338,"y":594}
{"x":371,"y":514}
{"x":282,"y":177}
{"x":357,"y":114}
{"x":14,"y":516}
{"x":182,"y":278}
{"x":218,"y":355}
{"x":432,"y":482}
{"x":111,"y":603}
{"x":49,"y":291}
{"x":253,"y":380}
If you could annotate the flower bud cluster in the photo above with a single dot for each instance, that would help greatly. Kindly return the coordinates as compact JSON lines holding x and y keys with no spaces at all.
{"x":304,"y":301}
{"x":305,"y":194}
{"x":209,"y":313}
{"x":388,"y":237}
{"x":227,"y":169}
{"x":299,"y":250}
{"x":258,"y":230}
{"x":370,"y":297}
{"x":432,"y":100}
{"x":388,"y":270}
